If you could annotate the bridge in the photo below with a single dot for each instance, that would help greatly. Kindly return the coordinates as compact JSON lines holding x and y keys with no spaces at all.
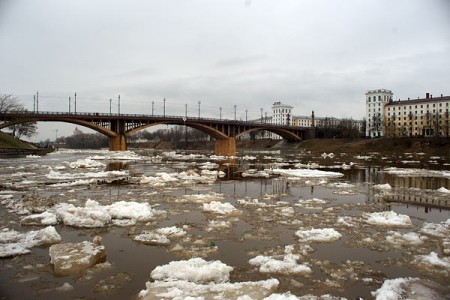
{"x":117,"y":127}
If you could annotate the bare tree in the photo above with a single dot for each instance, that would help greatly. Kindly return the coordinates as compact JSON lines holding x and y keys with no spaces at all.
{"x":9,"y":103}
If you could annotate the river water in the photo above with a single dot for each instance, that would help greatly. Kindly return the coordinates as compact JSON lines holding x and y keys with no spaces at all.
{"x":264,"y":204}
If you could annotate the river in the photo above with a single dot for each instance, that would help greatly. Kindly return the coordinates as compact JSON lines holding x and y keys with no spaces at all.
{"x":318,"y":223}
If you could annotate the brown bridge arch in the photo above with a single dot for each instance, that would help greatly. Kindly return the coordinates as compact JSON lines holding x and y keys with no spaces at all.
{"x":118,"y":126}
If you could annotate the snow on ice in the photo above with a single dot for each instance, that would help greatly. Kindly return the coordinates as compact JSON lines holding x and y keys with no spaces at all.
{"x":318,"y":235}
{"x":410,"y":288}
{"x":220,"y":208}
{"x":200,"y":279}
{"x":14,"y":243}
{"x":306,"y":173}
{"x":387,"y":218}
{"x":159,"y":236}
{"x":70,"y":258}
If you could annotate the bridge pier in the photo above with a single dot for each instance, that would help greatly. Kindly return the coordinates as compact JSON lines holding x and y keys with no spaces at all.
{"x":118,"y":143}
{"x":225,"y":147}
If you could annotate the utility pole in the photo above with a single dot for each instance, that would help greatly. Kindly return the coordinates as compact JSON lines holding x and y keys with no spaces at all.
{"x":199,"y":102}
{"x":37,"y":101}
{"x":220,"y":113}
{"x":246,"y":111}
{"x":185,"y":111}
{"x":153,"y":105}
{"x":69,"y":104}
{"x":34,"y":103}
{"x":75,"y":103}
{"x":261,"y":114}
{"x":110,"y":106}
{"x":235,"y":112}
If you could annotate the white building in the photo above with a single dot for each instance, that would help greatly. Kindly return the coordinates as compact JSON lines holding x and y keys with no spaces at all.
{"x":375,"y":102}
{"x":281,"y":113}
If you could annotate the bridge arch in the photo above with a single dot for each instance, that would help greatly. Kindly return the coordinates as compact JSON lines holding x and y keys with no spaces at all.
{"x":285,"y":134}
{"x":203,"y":128}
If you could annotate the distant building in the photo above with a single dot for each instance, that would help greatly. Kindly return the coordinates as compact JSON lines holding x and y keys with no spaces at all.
{"x":375,"y":102}
{"x":418,"y":117}
{"x":281,"y":114}
{"x":77,"y":131}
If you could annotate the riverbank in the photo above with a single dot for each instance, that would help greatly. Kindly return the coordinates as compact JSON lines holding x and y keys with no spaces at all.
{"x":434,"y":146}
{"x":12,"y":147}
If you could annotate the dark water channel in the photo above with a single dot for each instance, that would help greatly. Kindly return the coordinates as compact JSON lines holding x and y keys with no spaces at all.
{"x":354,"y":265}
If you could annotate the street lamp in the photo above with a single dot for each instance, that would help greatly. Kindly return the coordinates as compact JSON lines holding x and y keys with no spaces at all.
{"x":69,"y":104}
{"x":110,"y":106}
{"x":164,"y":107}
{"x":153,"y":105}
{"x":246,"y":111}
{"x":261,"y":114}
{"x":199,"y":102}
{"x":185,"y":111}
{"x":75,"y":100}
{"x":220,"y":113}
{"x":118,"y":106}
{"x":235,"y":112}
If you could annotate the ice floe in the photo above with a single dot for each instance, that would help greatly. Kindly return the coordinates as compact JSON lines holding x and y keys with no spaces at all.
{"x":202,"y":198}
{"x":70,"y":258}
{"x":443,"y":190}
{"x":281,"y":264}
{"x":217,"y":225}
{"x":95,"y":215}
{"x":306,"y":173}
{"x":318,"y":235}
{"x":408,"y":172}
{"x":387,"y":218}
{"x":45,"y":218}
{"x":384,"y":187}
{"x":398,"y":239}
{"x":159,"y":236}
{"x":86,"y":163}
{"x":410,"y":288}
{"x":436,"y":230}
{"x":197,"y":278}
{"x":220,"y":208}
{"x":14,"y":243}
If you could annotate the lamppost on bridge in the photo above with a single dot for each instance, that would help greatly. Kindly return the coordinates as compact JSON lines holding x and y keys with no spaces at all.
{"x":246,"y":111}
{"x":199,"y":102}
{"x":34,"y":103}
{"x":164,"y":109}
{"x":235,"y":112}
{"x":69,"y":104}
{"x":261,"y":115}
{"x":220,"y":113}
{"x":75,"y":101}
{"x":185,"y":111}
{"x":37,"y":101}
{"x":110,"y":105}
{"x":118,"y":106}
{"x":153,"y":106}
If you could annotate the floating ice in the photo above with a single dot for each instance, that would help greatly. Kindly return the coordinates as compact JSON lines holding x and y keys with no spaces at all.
{"x":160,"y":235}
{"x":387,"y":218}
{"x":45,"y":218}
{"x":433,"y":260}
{"x":189,"y":290}
{"x":398,"y":239}
{"x":202,"y":198}
{"x":287,"y":264}
{"x":307,"y":173}
{"x":318,"y":235}
{"x":86,"y":163}
{"x":95,"y":215}
{"x":102,"y":174}
{"x":385,"y":186}
{"x":195,"y":270}
{"x":71,"y":258}
{"x":407,"y":172}
{"x":14,"y":243}
{"x":443,"y":190}
{"x":410,"y":288}
{"x":255,"y":173}
{"x":220,"y":208}
{"x":437,"y":230}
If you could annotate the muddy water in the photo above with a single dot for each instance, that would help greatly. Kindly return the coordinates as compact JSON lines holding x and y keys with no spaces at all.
{"x":349,"y":267}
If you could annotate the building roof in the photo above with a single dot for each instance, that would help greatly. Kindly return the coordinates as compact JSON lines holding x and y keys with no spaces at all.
{"x":419,"y":101}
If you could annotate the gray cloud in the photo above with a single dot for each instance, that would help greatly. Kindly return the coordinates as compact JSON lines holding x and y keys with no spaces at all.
{"x":315,"y":55}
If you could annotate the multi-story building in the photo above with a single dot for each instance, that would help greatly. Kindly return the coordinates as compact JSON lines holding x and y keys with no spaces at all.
{"x":418,"y":117}
{"x":375,"y":102}
{"x":281,"y":113}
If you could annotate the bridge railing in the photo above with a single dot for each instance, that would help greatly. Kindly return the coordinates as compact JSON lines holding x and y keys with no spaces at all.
{"x":126,"y":116}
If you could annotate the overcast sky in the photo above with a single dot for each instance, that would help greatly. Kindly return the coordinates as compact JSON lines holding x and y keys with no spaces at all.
{"x":320,"y":55}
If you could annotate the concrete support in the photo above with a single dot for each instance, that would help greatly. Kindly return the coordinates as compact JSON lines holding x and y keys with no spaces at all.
{"x":226,"y":147}
{"x":118,"y":143}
